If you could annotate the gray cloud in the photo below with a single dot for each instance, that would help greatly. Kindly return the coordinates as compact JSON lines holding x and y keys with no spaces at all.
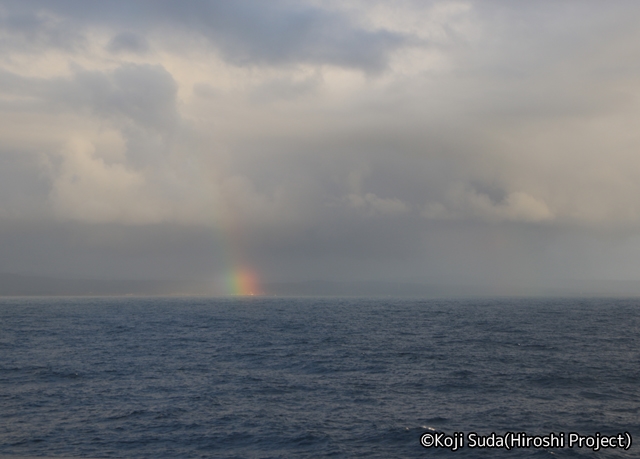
{"x":24,"y":185}
{"x":470,"y":142}
{"x":246,"y":32}
{"x":144,"y":94}
{"x":30,"y":31}
{"x":128,"y":42}
{"x":256,"y":32}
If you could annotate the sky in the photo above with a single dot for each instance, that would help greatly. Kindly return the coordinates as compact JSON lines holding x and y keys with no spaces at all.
{"x":488,"y":143}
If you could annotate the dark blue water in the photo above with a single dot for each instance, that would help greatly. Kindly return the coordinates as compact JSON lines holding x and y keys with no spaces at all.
{"x":312,"y":378}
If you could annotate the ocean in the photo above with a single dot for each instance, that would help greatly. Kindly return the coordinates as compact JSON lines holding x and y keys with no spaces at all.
{"x":318,"y":377}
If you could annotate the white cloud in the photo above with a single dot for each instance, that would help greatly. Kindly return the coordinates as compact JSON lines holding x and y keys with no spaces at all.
{"x":469,"y":204}
{"x":86,"y":188}
{"x":372,"y":205}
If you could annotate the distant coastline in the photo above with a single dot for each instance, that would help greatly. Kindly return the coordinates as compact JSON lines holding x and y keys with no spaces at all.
{"x":12,"y":284}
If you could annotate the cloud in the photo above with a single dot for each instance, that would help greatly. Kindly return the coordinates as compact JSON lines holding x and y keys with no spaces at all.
{"x":286,"y":88}
{"x":24,"y":186}
{"x":28,"y":31}
{"x":128,"y":42}
{"x":89,"y":190}
{"x":372,"y":205}
{"x":116,"y":155}
{"x":255,"y":32}
{"x":358,"y":137}
{"x":143,"y":94}
{"x":245,"y":32}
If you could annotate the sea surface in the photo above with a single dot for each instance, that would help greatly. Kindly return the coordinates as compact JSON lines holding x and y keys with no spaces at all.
{"x":313,"y":377}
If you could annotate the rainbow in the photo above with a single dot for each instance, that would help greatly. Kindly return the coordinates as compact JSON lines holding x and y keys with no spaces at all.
{"x":241,"y":279}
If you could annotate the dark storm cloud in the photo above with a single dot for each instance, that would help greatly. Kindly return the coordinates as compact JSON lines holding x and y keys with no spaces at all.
{"x":143,"y":93}
{"x":31,"y":32}
{"x":128,"y":41}
{"x":246,"y":32}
